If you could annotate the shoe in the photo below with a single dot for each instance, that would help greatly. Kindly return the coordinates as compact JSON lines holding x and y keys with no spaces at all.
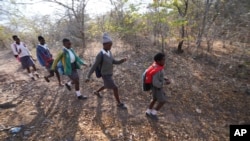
{"x":148,"y":114}
{"x":37,"y":75}
{"x":68,"y":86}
{"x":33,"y":78}
{"x":46,"y":78}
{"x":82,"y":97}
{"x":154,"y":117}
{"x":122,"y":106}
{"x":98,"y":94}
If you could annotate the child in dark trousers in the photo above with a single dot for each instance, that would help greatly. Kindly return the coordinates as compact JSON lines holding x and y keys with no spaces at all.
{"x":158,"y":94}
{"x":105,"y":57}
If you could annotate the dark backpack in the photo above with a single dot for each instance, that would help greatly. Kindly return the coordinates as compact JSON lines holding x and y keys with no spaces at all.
{"x":98,"y":70}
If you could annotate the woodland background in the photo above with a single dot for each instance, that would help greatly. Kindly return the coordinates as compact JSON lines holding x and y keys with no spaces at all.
{"x":207,"y":49}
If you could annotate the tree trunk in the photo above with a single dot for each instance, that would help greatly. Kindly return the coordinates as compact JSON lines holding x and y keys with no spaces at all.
{"x":201,"y":31}
{"x":179,"y":49}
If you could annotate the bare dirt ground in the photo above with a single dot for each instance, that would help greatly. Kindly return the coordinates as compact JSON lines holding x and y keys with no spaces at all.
{"x":205,"y":97}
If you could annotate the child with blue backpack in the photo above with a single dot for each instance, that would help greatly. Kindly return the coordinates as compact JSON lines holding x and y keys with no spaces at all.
{"x":46,"y":60}
{"x":104,"y":63}
{"x":70,"y":62}
{"x":154,"y":76}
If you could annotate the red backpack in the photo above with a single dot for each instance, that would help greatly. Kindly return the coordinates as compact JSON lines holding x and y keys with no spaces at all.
{"x":147,"y":76}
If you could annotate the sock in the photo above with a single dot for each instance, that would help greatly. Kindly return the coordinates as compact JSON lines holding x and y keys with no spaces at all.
{"x":78,"y":93}
{"x":148,"y":111}
{"x":154,"y":112}
{"x":31,"y":75}
{"x":69,"y":83}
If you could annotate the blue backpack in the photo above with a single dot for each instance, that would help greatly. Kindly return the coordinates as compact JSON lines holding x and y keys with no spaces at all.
{"x":98,"y":70}
{"x":60,"y":68}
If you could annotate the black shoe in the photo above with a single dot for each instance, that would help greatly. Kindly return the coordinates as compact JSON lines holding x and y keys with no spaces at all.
{"x":122,"y":106}
{"x":98,"y":94}
{"x":148,"y":114}
{"x":37,"y":75}
{"x":82,"y":97}
{"x":46,"y":78}
{"x":68,"y":86}
{"x":154,"y":117}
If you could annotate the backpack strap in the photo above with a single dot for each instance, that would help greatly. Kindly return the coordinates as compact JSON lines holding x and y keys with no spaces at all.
{"x":101,"y":60}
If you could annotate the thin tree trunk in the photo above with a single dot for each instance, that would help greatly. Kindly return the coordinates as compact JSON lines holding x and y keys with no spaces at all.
{"x":179,"y":49}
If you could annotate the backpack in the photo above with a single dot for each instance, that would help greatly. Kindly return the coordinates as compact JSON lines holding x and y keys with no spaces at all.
{"x":60,"y":67}
{"x":147,"y":76}
{"x":98,"y":69}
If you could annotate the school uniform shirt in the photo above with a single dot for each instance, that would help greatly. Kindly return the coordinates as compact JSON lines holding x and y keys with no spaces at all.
{"x":24,"y":50}
{"x":105,"y":52}
{"x":43,"y":54}
{"x":64,"y":57}
{"x":107,"y":63}
{"x":71,"y":55}
{"x":44,"y":46}
{"x":14,"y":48}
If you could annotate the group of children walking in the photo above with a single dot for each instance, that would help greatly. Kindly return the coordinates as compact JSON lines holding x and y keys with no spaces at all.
{"x":103,"y":67}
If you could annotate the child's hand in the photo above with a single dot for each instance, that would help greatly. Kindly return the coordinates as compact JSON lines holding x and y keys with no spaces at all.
{"x":167,"y":81}
{"x":85,"y":64}
{"x":124,"y":59}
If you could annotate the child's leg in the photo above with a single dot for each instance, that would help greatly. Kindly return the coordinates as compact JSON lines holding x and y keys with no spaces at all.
{"x":101,"y":89}
{"x":34,"y":67}
{"x":58,"y":77}
{"x":30,"y":74}
{"x":151,"y":105}
{"x":116,"y":95}
{"x":51,"y":74}
{"x":160,"y":104}
{"x":28,"y":70}
{"x":76,"y":82}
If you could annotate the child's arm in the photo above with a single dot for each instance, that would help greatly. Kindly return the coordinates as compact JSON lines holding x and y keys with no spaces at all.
{"x":157,"y":82}
{"x":120,"y":61}
{"x":97,"y":62}
{"x":59,"y":57}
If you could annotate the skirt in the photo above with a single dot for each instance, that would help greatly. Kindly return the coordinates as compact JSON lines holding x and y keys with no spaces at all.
{"x":108,"y":82}
{"x":74,"y":74}
{"x":26,"y":62}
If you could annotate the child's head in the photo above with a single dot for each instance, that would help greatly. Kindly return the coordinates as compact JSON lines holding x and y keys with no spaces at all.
{"x":66,"y":43}
{"x":106,"y":41}
{"x":41,"y":40}
{"x":14,"y":37}
{"x":159,"y":58}
{"x":17,"y":40}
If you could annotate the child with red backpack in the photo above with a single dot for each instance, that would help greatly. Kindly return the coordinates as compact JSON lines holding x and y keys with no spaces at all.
{"x":153,"y":79}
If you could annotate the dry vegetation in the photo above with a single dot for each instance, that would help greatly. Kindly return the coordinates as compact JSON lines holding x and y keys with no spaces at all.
{"x":207,"y":94}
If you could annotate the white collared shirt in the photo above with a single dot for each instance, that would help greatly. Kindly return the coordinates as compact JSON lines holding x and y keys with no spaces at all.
{"x":44,"y":46}
{"x":24,"y":50}
{"x":106,"y":52}
{"x":72,"y":56}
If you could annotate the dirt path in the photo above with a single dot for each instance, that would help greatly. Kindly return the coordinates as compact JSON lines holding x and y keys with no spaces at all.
{"x":201,"y":104}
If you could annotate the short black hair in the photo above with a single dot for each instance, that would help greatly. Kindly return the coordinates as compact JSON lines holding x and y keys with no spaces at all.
{"x":65,"y":40}
{"x":159,"y":57}
{"x":14,"y":37}
{"x":40,"y":38}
